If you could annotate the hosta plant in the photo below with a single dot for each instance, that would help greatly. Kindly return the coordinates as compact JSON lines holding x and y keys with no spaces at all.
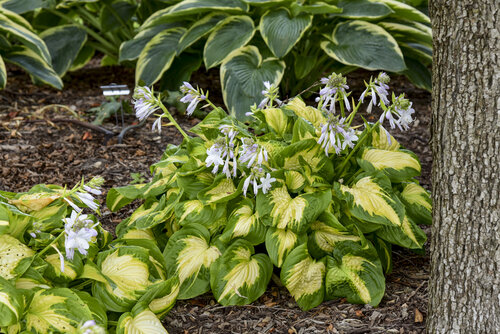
{"x":285,"y":41}
{"x":308,"y":192}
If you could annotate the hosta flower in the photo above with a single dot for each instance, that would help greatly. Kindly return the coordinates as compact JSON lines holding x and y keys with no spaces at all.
{"x":335,"y":87}
{"x":252,"y":179}
{"x":80,"y":231}
{"x":144,"y":102}
{"x":88,"y":200}
{"x":376,"y":88}
{"x":336,"y":134}
{"x":266,"y":183}
{"x":251,"y":152}
{"x":270,"y":95}
{"x":223,"y":153}
{"x":90,"y":327}
{"x":400,"y":108}
{"x":191,"y":96}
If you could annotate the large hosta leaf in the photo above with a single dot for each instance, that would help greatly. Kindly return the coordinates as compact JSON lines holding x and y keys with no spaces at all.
{"x":364,"y":44}
{"x":363,"y":9}
{"x":304,"y":278}
{"x":408,"y":235}
{"x":141,"y":320}
{"x":417,"y":202}
{"x":158,"y":55}
{"x":407,"y":12}
{"x":64,"y":43}
{"x":354,"y":271}
{"x":238,"y":277}
{"x":280,"y":242}
{"x":58,"y":310}
{"x":244,"y":222}
{"x":398,"y":165}
{"x":278,"y":209}
{"x":370,"y":198}
{"x":126,"y":270}
{"x":12,"y":251}
{"x":281,"y":31}
{"x":242,"y":75}
{"x":326,"y":233}
{"x":189,"y":255}
{"x":231,"y":34}
{"x":11,"y":303}
{"x":199,"y":29}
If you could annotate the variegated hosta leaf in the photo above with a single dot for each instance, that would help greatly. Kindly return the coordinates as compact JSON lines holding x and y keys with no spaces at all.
{"x":304,"y":278}
{"x":12,"y":251}
{"x":417,"y":202}
{"x":281,"y":31}
{"x":276,"y":120}
{"x":354,"y":271}
{"x":303,"y":129}
{"x":127,"y":272}
{"x":280,"y":242}
{"x":244,"y":223}
{"x":72,"y":268}
{"x":238,"y":277}
{"x":144,"y":210}
{"x":383,"y":140}
{"x":408,"y":235}
{"x":294,"y":181}
{"x":290,"y":157}
{"x":164,"y":296}
{"x":11,"y":303}
{"x":140,"y":321}
{"x":326,"y":233}
{"x":98,"y":311}
{"x":208,"y":128}
{"x":57,"y":310}
{"x":196,"y":212}
{"x":34,"y":201}
{"x":398,"y":165}
{"x":189,"y":255}
{"x":119,"y":197}
{"x":222,"y":190}
{"x":311,"y":114}
{"x":384,"y":251}
{"x":370,"y":198}
{"x":278,"y":209}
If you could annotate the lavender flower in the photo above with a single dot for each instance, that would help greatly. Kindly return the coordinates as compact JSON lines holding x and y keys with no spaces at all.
{"x":223,"y":152}
{"x":79,"y":231}
{"x":145,"y":102}
{"x":335,"y":133}
{"x":88,"y":200}
{"x":270,"y":95}
{"x":335,"y":87}
{"x":266,"y":183}
{"x":400,"y":108}
{"x":251,"y":152}
{"x":191,"y":96}
{"x":252,"y":179}
{"x":376,"y":88}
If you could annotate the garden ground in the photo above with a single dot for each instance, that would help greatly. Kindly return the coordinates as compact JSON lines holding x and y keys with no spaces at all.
{"x":41,"y":143}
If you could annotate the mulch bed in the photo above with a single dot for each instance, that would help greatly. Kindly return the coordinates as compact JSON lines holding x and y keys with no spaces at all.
{"x":36,"y":146}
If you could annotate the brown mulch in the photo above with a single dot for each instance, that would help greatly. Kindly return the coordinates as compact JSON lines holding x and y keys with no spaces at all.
{"x":34,"y":149}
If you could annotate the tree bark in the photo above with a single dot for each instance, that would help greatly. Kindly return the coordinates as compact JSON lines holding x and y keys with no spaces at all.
{"x":464,"y":290}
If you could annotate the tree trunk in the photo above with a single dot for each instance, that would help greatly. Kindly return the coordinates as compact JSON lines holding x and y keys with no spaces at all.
{"x":464,"y":290}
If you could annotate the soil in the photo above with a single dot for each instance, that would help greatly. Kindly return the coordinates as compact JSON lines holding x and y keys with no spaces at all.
{"x":41,"y":143}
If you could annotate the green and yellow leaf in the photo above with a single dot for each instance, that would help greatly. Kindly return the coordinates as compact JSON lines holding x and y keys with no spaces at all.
{"x":280,"y":242}
{"x":11,"y":304}
{"x":417,"y":202}
{"x":12,"y":251}
{"x":398,"y":165}
{"x":244,"y":222}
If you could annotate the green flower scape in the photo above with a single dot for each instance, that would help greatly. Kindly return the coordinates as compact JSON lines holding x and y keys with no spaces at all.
{"x":306,"y":193}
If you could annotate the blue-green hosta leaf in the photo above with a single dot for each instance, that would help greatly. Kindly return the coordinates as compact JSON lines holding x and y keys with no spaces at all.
{"x":326,"y":233}
{"x":131,"y":49}
{"x":310,"y":114}
{"x":407,"y":33}
{"x":280,"y":242}
{"x":363,"y":10}
{"x":418,"y":73}
{"x":383,"y":140}
{"x":221,"y":191}
{"x":3,"y":74}
{"x":317,"y":7}
{"x":231,"y":34}
{"x":407,"y":235}
{"x":58,"y":310}
{"x":24,"y":6}
{"x":9,"y":23}
{"x":83,"y":57}
{"x":157,"y":56}
{"x":127,"y":274}
{"x":238,"y":277}
{"x":64,"y":43}
{"x":417,"y":202}
{"x":281,"y":31}
{"x":304,"y":278}
{"x":107,"y":19}
{"x":242,"y":75}
{"x":11,"y":304}
{"x":407,"y":12}
{"x":364,"y":44}
{"x":140,"y":320}
{"x":189,"y":255}
{"x":278,"y":209}
{"x":244,"y":223}
{"x":398,"y":165}
{"x":354,"y":271}
{"x":370,"y":198}
{"x":12,"y":251}
{"x":199,"y":29}
{"x":35,"y":65}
